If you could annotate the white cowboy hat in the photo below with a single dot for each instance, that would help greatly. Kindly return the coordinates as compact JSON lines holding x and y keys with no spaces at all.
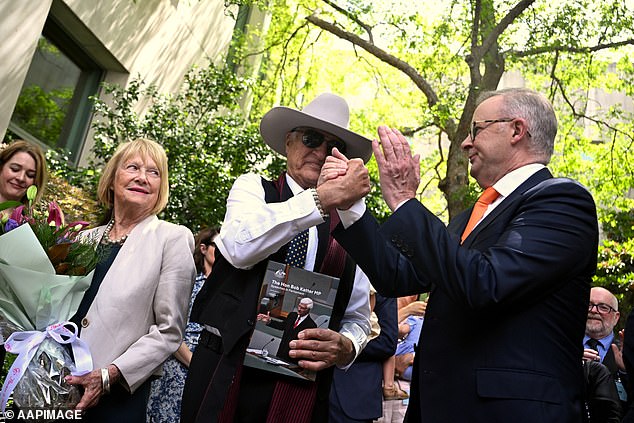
{"x":327,"y":112}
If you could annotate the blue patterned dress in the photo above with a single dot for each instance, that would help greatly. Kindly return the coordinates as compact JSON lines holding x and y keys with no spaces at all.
{"x":164,"y":405}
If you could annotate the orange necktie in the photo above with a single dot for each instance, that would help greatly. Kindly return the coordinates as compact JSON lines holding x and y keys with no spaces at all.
{"x":487,"y":197}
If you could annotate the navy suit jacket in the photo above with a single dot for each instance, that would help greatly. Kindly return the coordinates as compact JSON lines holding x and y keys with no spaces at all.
{"x":358,"y":390}
{"x":502,"y":339}
{"x":628,"y":359}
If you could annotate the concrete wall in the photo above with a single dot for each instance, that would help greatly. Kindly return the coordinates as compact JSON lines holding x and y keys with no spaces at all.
{"x":21,"y":24}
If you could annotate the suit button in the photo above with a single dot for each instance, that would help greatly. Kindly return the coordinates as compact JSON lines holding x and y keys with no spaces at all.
{"x":85,"y":322}
{"x":250,"y":322}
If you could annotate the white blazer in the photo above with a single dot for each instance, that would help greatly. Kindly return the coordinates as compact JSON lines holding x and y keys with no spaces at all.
{"x":137,"y":318}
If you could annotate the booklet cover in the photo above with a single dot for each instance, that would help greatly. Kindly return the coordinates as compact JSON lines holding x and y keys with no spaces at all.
{"x":291,"y":300}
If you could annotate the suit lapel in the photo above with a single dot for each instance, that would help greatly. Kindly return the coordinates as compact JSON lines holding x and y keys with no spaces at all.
{"x":323,"y":232}
{"x":609,"y":361}
{"x":535,"y":179}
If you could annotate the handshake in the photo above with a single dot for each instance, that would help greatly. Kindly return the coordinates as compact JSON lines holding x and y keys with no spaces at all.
{"x":344,"y":181}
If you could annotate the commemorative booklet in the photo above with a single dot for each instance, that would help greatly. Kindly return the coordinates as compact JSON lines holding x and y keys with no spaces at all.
{"x":287,"y":292}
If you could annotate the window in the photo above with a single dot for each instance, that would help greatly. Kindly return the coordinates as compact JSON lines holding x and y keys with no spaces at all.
{"x":53,"y":107}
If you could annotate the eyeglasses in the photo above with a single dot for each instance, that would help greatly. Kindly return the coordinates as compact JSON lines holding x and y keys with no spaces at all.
{"x":476,"y":129}
{"x":601,"y":308}
{"x":313,"y":139}
{"x":134,"y":168}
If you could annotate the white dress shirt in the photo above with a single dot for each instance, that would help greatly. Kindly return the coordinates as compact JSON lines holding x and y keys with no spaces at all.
{"x":254,"y":229}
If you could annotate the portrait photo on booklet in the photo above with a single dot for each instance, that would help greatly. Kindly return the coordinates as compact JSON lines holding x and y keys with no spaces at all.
{"x":291,"y":300}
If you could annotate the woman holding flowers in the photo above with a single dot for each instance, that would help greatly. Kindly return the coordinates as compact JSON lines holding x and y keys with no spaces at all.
{"x":22,"y":164}
{"x":133,"y":314}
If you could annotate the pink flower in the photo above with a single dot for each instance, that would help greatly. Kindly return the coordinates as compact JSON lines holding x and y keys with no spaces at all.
{"x":73,"y":229}
{"x":55,"y":214}
{"x":17,"y":215}
{"x":78,"y":225}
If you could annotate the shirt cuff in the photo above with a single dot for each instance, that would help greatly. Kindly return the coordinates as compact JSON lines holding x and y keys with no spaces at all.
{"x":357,"y":335}
{"x":401,"y":203}
{"x":350,"y":216}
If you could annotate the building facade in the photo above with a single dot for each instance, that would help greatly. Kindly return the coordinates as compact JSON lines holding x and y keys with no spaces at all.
{"x":56,"y":53}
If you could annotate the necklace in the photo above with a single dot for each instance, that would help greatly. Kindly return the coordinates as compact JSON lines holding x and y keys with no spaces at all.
{"x":106,"y":235}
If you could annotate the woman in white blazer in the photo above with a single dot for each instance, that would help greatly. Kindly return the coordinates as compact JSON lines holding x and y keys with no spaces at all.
{"x":132,"y":316}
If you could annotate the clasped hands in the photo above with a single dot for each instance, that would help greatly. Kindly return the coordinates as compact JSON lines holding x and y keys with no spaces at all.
{"x":344,"y":181}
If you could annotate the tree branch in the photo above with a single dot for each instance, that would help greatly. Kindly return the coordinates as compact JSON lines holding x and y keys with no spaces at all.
{"x":507,"y":20}
{"x":406,"y":68}
{"x":475,"y":27}
{"x":569,"y":49}
{"x":411,"y":131}
{"x":353,"y":18}
{"x":599,"y":122}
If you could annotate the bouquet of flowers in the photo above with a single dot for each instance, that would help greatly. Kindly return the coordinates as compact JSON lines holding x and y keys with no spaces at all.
{"x":45,"y":268}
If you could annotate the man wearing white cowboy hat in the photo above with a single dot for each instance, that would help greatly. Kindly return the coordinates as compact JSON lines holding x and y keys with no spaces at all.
{"x":266,"y":220}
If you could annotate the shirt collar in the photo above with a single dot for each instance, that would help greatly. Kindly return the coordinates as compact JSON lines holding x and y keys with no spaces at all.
{"x":604,"y":342}
{"x":294,"y":186}
{"x":509,"y":182}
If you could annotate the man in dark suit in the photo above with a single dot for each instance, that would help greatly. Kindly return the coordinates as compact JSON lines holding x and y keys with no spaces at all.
{"x":294,"y":323}
{"x":603,"y":315}
{"x":356,"y":394}
{"x":599,"y":342}
{"x":508,"y":301}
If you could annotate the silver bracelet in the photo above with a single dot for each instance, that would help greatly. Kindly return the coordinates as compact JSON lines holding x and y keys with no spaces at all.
{"x":105,"y":381}
{"x":320,"y":208}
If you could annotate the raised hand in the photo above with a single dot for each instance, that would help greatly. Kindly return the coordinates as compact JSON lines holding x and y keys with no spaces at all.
{"x":399,"y":171}
{"x":617,"y":349}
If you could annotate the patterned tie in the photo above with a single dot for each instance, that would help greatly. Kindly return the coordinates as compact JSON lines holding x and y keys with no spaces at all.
{"x":296,"y":254}
{"x":486,"y":198}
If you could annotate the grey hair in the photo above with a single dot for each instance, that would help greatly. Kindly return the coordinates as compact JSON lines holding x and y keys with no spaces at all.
{"x":538,"y":112}
{"x":307,"y":302}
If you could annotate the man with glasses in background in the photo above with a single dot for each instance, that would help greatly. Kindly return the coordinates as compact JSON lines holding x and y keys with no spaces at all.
{"x":283,"y":221}
{"x":509,"y":279}
{"x":599,"y":342}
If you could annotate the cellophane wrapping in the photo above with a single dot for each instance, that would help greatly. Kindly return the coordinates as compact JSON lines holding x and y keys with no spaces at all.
{"x":43,"y":386}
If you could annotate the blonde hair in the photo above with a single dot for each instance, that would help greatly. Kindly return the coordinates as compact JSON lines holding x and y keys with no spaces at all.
{"x":144,"y":148}
{"x":33,"y":150}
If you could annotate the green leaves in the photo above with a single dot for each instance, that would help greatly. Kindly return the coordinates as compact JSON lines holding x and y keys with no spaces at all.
{"x":9,"y":204}
{"x":207,"y":140}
